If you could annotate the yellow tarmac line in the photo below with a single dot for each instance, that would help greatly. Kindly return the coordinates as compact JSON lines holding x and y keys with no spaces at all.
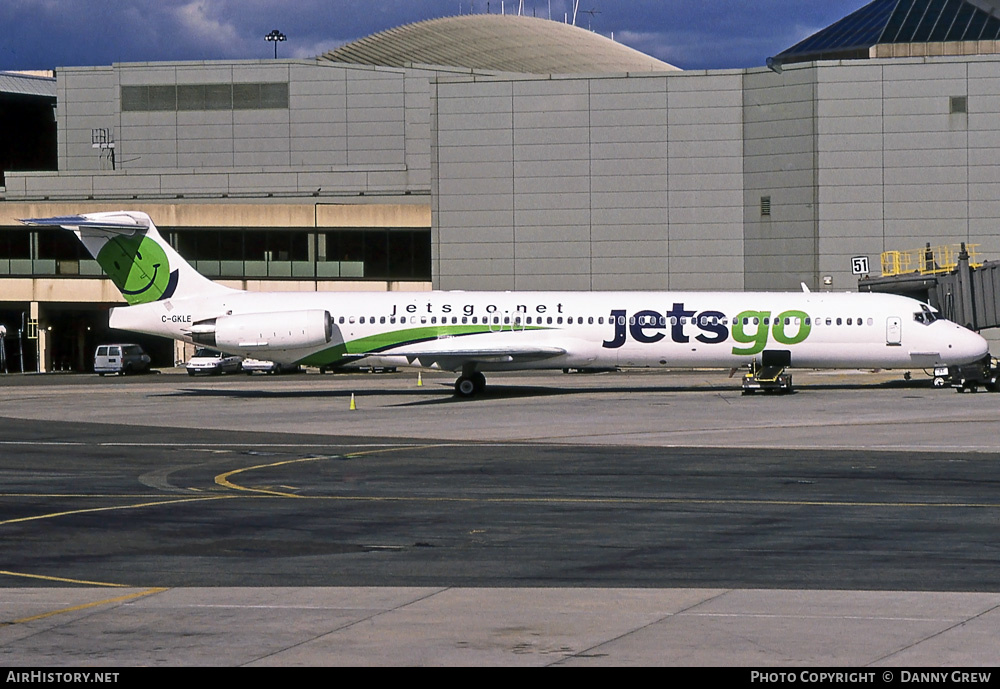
{"x":64,"y":580}
{"x":52,"y":515}
{"x":223,"y":479}
{"x":84,"y":606}
{"x":148,"y":496}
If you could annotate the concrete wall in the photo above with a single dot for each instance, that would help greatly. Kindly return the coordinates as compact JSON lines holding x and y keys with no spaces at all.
{"x":588,"y":183}
{"x":897,"y":167}
{"x":609,"y":182}
{"x":656,"y":182}
{"x":705,"y":221}
{"x":780,"y":165}
{"x":346,"y":130}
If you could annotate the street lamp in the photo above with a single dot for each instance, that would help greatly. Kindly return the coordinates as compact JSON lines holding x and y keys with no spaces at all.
{"x":274,"y":37}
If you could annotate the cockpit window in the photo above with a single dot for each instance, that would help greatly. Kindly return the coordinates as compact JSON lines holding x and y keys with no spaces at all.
{"x":925,"y":315}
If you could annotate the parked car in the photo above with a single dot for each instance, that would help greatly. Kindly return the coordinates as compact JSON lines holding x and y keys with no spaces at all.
{"x":120,"y":359}
{"x":212,"y":361}
{"x":250,"y":366}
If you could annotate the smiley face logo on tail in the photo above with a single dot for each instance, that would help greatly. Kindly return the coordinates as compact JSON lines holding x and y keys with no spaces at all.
{"x":139,"y":268}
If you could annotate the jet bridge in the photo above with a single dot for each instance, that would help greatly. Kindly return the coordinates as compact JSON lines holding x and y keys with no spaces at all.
{"x":949,"y":278}
{"x":964,"y":290}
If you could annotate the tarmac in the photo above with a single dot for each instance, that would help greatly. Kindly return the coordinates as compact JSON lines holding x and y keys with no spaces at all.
{"x":890,"y":445}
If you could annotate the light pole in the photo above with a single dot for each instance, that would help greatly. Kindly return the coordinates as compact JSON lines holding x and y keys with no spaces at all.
{"x":274,"y":37}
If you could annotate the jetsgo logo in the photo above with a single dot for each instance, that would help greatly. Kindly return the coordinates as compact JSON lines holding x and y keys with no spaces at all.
{"x":750,"y":328}
{"x":139,"y":268}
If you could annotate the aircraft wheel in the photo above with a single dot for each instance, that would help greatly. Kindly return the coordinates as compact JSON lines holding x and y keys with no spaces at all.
{"x":479,"y":380}
{"x":466,"y":386}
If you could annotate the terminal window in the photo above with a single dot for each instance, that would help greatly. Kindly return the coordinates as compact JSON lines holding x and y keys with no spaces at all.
{"x":190,"y":97}
{"x":355,"y":254}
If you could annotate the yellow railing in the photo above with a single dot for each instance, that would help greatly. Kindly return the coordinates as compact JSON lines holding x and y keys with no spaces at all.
{"x":931,"y":260}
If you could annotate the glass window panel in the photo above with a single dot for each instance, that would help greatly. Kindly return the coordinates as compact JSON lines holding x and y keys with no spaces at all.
{"x":255,"y":268}
{"x":59,"y":244}
{"x":422,"y":255}
{"x":186,"y":244}
{"x":218,"y":96}
{"x":163,"y":97}
{"x":273,"y":96}
{"x":21,"y":266}
{"x":961,"y":23}
{"x":352,"y":269}
{"x":895,"y":23}
{"x":246,"y":96}
{"x":991,"y":30}
{"x":929,"y":21}
{"x":135,"y":98}
{"x":299,"y":242}
{"x":387,"y":254}
{"x":303,"y":269}
{"x":255,"y":245}
{"x":209,"y":268}
{"x":15,"y":243}
{"x":376,"y":254}
{"x":400,"y":254}
{"x":352,"y":246}
{"x":912,"y":21}
{"x":945,"y":21}
{"x":231,"y":268}
{"x":231,"y":244}
{"x":279,"y":269}
{"x":191,"y":97}
{"x":976,"y":26}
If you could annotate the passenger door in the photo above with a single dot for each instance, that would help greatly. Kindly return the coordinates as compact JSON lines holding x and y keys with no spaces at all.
{"x":894,"y":331}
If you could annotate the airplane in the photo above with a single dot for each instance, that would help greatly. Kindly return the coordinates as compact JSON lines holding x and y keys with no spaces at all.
{"x":471,"y":333}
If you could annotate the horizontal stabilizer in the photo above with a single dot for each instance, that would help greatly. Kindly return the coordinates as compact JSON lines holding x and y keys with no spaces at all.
{"x":112,"y":222}
{"x":141,"y":263}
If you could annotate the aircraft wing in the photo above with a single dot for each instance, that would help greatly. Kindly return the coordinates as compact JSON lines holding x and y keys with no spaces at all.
{"x":454,"y":358}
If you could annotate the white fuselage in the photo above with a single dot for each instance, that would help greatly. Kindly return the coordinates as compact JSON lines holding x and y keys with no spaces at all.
{"x":553,"y":330}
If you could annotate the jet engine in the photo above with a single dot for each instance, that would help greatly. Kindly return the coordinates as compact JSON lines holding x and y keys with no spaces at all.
{"x":280,"y":330}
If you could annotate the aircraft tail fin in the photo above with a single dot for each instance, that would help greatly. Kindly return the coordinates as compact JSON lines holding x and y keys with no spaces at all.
{"x":141,"y":263}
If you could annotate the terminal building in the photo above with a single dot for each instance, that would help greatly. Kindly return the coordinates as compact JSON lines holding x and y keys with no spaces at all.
{"x":509,"y":153}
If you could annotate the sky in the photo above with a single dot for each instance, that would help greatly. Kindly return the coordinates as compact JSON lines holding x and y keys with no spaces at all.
{"x":705,"y":34}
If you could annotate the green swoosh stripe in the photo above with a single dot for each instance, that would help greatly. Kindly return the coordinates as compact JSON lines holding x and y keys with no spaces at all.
{"x":381,"y":342}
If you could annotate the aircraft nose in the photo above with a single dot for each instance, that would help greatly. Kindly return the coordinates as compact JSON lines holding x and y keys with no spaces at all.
{"x":967,"y":346}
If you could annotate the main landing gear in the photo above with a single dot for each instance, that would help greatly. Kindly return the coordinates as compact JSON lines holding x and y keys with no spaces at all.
{"x":470,"y":384}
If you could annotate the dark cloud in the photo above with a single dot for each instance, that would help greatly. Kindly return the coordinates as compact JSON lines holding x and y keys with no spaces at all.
{"x":44,"y":34}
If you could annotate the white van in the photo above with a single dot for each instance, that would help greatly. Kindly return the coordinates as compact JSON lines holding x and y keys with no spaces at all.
{"x":120,"y":359}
